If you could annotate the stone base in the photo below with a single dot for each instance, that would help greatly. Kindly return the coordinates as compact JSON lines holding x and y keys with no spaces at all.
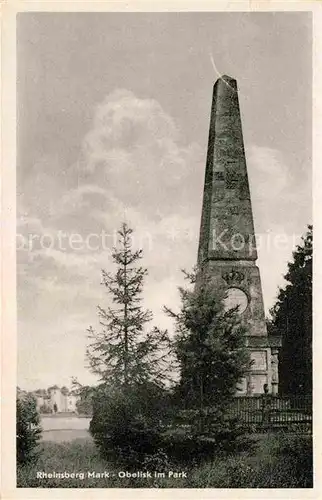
{"x":264,"y":369}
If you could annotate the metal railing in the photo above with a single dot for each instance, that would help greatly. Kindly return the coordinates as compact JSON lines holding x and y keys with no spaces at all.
{"x":273,"y":412}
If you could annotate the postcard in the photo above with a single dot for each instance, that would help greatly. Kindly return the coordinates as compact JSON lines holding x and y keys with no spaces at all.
{"x":157,"y":257}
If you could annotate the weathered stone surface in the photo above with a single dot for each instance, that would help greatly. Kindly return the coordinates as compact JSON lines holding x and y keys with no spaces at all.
{"x":227,"y":228}
{"x":227,"y":248}
{"x":253,"y":317}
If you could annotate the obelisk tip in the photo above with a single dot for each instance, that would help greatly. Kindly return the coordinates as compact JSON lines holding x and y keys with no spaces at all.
{"x":226,"y":80}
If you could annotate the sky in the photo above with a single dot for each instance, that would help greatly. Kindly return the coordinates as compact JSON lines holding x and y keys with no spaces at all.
{"x":112,"y":125}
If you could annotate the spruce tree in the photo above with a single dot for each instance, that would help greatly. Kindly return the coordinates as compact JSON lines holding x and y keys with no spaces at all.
{"x":129,"y":406}
{"x":123,"y":353}
{"x":209,"y":345}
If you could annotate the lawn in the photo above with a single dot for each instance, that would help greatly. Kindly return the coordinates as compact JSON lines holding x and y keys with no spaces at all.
{"x":276,"y":461}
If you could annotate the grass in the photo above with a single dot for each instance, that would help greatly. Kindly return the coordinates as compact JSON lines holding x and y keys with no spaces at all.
{"x":277,"y":461}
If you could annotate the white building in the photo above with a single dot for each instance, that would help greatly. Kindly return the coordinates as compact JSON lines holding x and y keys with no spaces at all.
{"x":58,"y":400}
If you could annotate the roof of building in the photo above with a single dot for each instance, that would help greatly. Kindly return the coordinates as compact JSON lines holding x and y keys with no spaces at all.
{"x":53,"y":387}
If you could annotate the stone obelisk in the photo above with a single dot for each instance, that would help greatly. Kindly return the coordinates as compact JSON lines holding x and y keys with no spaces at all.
{"x":227,"y":246}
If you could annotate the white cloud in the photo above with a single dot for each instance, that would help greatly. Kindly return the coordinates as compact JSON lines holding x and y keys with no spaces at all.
{"x":133,"y":168}
{"x":133,"y":149}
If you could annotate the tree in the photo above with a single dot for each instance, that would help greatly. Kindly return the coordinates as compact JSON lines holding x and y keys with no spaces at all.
{"x":210,"y":346}
{"x":292,"y":319}
{"x":131,"y":361}
{"x":28,"y":428}
{"x":123,"y":353}
{"x":85,"y":393}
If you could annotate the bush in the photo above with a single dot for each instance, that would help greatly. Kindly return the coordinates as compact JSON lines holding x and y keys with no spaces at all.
{"x":198,"y":437}
{"x":279,"y":461}
{"x":127,"y":425}
{"x":185,"y":448}
{"x":45,"y":409}
{"x":84,"y":407}
{"x":28,"y":429}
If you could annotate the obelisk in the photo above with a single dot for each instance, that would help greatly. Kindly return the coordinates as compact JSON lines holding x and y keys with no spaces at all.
{"x":227,"y":245}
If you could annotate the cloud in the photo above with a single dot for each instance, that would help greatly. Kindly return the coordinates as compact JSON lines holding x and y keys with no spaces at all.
{"x":134,"y":149}
{"x":132,"y":167}
{"x":123,"y":122}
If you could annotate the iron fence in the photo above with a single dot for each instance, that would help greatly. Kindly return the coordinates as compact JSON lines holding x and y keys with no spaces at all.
{"x":268,"y":411}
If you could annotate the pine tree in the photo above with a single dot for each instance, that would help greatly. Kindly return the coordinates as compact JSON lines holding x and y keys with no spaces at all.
{"x":292,"y":320}
{"x":123,"y":353}
{"x":210,"y":346}
{"x":131,"y":361}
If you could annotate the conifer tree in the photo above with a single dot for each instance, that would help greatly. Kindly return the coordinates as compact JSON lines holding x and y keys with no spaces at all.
{"x":292,"y":320}
{"x":123,"y":353}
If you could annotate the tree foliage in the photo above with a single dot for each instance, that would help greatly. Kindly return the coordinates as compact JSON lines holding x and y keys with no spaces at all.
{"x":28,"y":429}
{"x":292,"y":319}
{"x":133,"y":363}
{"x":124,"y":353}
{"x":127,"y":425}
{"x":85,"y":393}
{"x":209,"y":344}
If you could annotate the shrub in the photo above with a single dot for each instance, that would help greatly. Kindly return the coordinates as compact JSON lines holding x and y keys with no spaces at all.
{"x":197,"y":437}
{"x":271,"y":465}
{"x":186,"y":448}
{"x":84,"y":406}
{"x":28,"y":429}
{"x":45,"y":409}
{"x":279,"y":461}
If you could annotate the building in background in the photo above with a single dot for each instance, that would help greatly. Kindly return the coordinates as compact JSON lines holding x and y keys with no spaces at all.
{"x":56,"y":400}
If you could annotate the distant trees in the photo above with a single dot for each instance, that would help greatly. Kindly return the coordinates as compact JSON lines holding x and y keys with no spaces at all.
{"x":292,"y":319}
{"x":85,"y":393}
{"x":45,"y":409}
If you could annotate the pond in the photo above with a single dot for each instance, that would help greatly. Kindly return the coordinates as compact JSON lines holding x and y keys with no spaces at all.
{"x":64,"y":428}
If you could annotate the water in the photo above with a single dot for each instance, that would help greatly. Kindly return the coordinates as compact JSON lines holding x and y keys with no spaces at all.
{"x":64,"y":423}
{"x":61,"y":428}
